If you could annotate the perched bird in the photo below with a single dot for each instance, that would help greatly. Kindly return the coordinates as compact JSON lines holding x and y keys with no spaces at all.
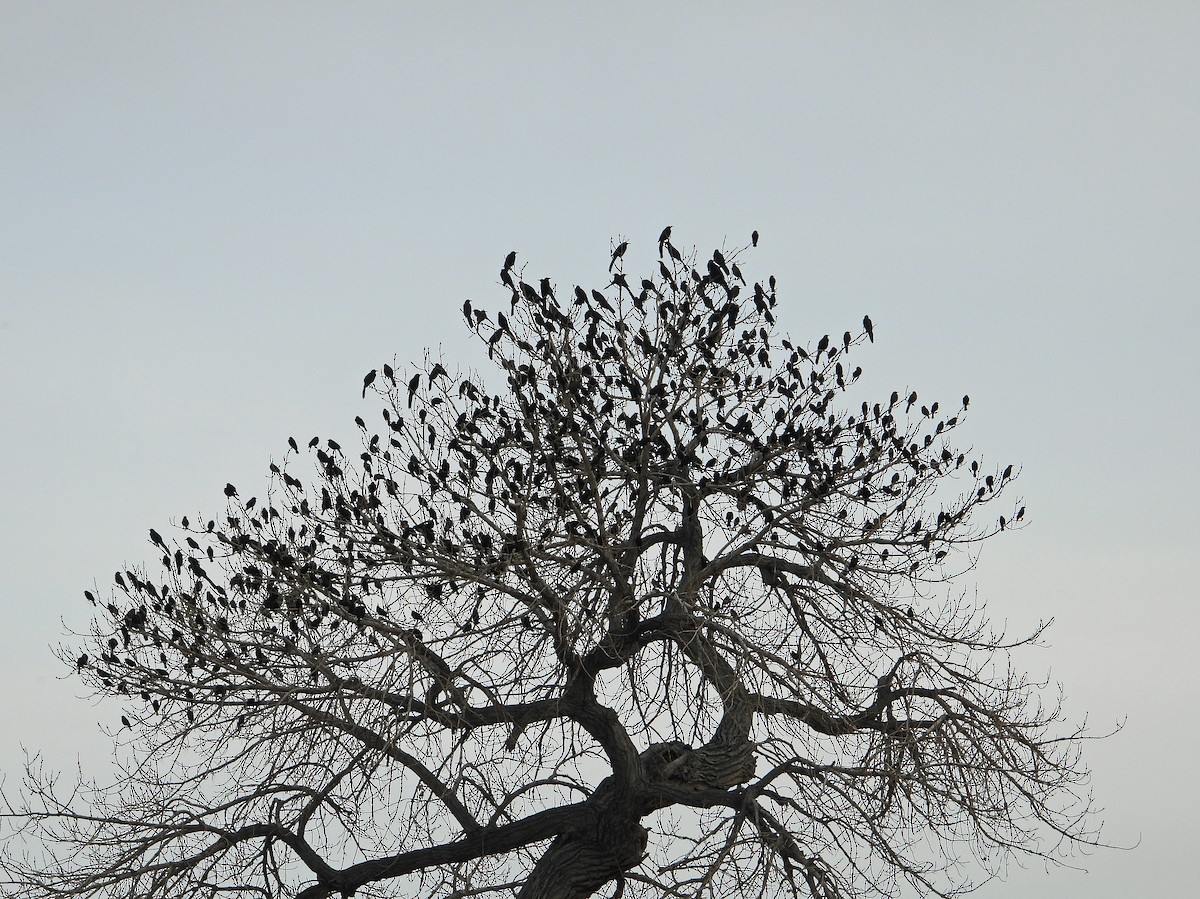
{"x":413,"y":384}
{"x":368,"y":380}
{"x":510,"y":260}
{"x":230,"y":490}
{"x":292,"y":444}
{"x":754,"y":238}
{"x":618,"y":253}
{"x":467,"y":310}
{"x":869,"y":328}
{"x":155,"y":537}
{"x":438,"y":369}
{"x":663,"y":238}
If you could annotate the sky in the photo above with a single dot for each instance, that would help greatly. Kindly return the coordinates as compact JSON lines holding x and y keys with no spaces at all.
{"x":215,"y":218}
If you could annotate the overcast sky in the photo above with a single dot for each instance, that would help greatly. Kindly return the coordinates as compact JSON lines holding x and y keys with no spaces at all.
{"x":215,"y":218}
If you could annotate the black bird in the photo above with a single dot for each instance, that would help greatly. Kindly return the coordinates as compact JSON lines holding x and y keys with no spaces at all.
{"x":387,"y":372}
{"x":292,"y":444}
{"x":467,"y":310}
{"x":869,"y":328}
{"x":510,"y":260}
{"x":368,"y":380}
{"x":437,"y":369}
{"x":413,"y":384}
{"x":846,"y":340}
{"x":618,"y":253}
{"x":125,"y":721}
{"x":155,"y":537}
{"x":663,"y":238}
{"x":314,"y":442}
{"x":82,"y":661}
{"x":823,"y":344}
{"x":912,"y":398}
{"x":230,"y":490}
{"x":754,"y":238}
{"x":966,"y":401}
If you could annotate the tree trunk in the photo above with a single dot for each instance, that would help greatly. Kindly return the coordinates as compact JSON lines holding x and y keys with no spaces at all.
{"x":576,"y":865}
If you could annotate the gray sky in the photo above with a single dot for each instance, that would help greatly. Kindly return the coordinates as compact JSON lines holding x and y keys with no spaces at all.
{"x":214,"y":218}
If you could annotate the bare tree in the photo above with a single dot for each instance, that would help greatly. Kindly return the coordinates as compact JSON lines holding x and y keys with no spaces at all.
{"x":666,"y":607}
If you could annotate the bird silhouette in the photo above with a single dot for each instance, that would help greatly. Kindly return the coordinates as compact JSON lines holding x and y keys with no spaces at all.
{"x":663,"y":238}
{"x":230,"y":490}
{"x":413,"y":383}
{"x":869,"y":328}
{"x":754,"y":238}
{"x":510,"y":260}
{"x":368,"y":380}
{"x":618,"y":253}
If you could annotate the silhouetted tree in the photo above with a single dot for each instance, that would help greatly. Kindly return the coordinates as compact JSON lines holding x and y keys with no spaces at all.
{"x":664,"y":607}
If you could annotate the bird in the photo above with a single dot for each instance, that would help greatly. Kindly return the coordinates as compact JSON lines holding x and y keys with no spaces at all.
{"x":230,"y":490}
{"x":292,"y":444}
{"x":413,"y":384}
{"x":663,"y":238}
{"x":155,"y":537}
{"x":754,"y":238}
{"x":618,"y":253}
{"x":467,"y":310}
{"x":438,"y":369}
{"x":869,"y":328}
{"x":368,"y":379}
{"x":82,"y":661}
{"x":125,"y":721}
{"x":510,"y":260}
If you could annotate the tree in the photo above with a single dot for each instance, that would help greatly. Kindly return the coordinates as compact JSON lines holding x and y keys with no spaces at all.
{"x":666,"y":609}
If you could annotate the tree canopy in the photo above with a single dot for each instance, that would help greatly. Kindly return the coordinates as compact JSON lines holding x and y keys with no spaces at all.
{"x":663,"y":602}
